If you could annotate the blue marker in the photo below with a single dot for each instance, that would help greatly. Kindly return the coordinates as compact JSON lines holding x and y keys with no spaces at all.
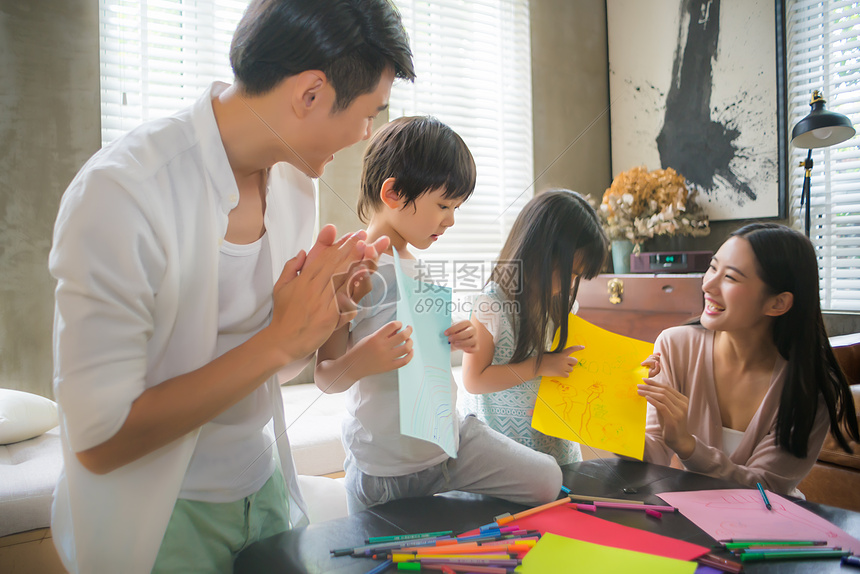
{"x":851,"y":561}
{"x":764,"y":496}
{"x":382,"y":567}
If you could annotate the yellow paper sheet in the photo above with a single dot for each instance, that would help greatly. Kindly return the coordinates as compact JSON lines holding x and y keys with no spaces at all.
{"x":597,"y":404}
{"x":555,"y":553}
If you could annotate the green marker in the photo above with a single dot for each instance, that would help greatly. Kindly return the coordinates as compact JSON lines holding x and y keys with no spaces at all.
{"x":410,"y":566}
{"x":796,"y":555}
{"x":379,"y":539}
{"x":772,"y":549}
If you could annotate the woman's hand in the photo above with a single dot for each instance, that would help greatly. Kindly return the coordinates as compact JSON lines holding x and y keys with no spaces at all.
{"x":462,"y":335}
{"x":653,"y":364}
{"x":387,"y":349}
{"x":558,"y":364}
{"x":671,"y":408}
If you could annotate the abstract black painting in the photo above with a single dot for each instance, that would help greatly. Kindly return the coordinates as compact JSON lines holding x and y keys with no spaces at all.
{"x":693,"y":86}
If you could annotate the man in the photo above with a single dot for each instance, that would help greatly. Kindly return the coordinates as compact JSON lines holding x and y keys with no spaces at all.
{"x":168,"y":333}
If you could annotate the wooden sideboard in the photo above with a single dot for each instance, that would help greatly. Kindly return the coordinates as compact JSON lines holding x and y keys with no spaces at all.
{"x":640,"y":305}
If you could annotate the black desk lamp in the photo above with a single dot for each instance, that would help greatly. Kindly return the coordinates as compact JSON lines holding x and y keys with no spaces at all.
{"x":819,"y":128}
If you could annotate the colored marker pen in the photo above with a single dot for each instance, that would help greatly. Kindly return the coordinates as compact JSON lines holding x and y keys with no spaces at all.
{"x":720,"y":563}
{"x":755,"y":543}
{"x":764,"y":496}
{"x":381,"y":539}
{"x":789,"y":555}
{"x":382,"y":567}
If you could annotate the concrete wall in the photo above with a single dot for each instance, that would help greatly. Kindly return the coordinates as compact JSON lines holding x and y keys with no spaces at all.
{"x":570,"y":95}
{"x":339,"y":186}
{"x":49,"y":126}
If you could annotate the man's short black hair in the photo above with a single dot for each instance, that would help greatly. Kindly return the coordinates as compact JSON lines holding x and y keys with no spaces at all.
{"x":351,"y":41}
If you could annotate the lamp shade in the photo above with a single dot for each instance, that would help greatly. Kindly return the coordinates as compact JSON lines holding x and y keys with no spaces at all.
{"x":821,"y":128}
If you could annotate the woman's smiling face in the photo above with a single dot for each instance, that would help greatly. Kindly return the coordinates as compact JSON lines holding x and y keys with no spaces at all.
{"x":735,"y":295}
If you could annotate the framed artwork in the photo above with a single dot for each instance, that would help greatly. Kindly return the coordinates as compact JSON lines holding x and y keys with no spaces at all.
{"x":698,"y":86}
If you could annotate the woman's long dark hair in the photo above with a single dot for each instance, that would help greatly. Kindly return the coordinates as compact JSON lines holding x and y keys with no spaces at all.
{"x":551,"y":231}
{"x":786,"y":262}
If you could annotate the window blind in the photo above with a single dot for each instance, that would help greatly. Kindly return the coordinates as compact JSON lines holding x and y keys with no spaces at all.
{"x":823,"y":53}
{"x":158,"y":56}
{"x":474,"y":72}
{"x":473,"y":66}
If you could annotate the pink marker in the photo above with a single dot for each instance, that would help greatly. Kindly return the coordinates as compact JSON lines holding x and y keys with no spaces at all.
{"x":588,"y":507}
{"x":653,"y":513}
{"x":659,"y":507}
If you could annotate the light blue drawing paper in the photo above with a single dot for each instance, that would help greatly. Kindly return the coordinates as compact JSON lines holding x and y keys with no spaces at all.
{"x":426,"y":396}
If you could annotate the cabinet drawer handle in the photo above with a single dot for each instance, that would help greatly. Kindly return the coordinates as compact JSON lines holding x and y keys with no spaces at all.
{"x":615,"y":287}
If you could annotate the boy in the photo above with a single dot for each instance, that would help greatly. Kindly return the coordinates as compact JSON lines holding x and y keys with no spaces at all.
{"x":168,"y":330}
{"x":417,"y":171}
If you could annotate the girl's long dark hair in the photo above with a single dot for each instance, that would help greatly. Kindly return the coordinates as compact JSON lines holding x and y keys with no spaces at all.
{"x":551,"y":231}
{"x":786,"y":262}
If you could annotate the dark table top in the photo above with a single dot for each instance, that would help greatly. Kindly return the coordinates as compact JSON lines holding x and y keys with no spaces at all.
{"x":307,"y":550}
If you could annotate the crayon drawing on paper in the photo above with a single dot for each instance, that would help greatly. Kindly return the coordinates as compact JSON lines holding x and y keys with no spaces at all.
{"x":597,"y":404}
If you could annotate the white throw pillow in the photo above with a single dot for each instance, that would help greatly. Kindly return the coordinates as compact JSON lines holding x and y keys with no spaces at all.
{"x":325,"y":497}
{"x":25,"y":415}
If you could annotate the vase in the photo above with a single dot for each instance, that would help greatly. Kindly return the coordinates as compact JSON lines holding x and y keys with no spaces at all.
{"x":621,"y":250}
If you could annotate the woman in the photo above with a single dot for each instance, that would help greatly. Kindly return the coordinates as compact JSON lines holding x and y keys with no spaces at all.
{"x":748,"y":392}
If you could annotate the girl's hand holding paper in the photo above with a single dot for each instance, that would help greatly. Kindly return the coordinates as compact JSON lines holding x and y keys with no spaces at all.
{"x":559,"y":364}
{"x":597,"y":404}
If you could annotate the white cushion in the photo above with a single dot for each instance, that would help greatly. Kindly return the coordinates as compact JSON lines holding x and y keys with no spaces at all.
{"x":313,"y":424}
{"x":25,"y":415}
{"x":29,"y":471}
{"x":325,"y":497}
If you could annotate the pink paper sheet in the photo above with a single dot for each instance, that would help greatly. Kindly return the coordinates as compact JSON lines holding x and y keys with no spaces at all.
{"x":740,"y":513}
{"x":571,"y":523}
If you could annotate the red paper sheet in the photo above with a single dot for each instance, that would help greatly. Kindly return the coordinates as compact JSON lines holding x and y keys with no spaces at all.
{"x":565,"y":521}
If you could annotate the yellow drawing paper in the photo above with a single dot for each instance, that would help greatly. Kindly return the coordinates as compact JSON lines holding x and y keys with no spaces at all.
{"x":597,"y":404}
{"x":555,"y":553}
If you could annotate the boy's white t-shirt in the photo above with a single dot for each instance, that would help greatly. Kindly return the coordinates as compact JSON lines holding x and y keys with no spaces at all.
{"x":371,"y":433}
{"x":233,"y":456}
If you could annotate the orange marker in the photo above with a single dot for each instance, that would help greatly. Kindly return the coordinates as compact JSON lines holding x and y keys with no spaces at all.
{"x":506,"y":519}
{"x":465,"y":548}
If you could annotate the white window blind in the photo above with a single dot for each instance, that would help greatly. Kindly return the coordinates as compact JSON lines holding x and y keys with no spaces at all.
{"x":158,"y":56}
{"x":473,"y":66}
{"x":823,"y":51}
{"x":473,"y":62}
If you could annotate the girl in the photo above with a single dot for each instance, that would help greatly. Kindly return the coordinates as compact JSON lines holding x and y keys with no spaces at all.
{"x":748,"y":392}
{"x":556,"y":239}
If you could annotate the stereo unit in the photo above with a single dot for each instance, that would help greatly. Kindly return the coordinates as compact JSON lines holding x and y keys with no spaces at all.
{"x":671,"y":262}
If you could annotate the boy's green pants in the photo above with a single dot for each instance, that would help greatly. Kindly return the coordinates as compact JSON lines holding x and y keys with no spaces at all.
{"x":207,"y":536}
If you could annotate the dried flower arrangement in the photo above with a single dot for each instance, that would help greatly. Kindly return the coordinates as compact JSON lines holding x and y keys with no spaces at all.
{"x":641,"y":204}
